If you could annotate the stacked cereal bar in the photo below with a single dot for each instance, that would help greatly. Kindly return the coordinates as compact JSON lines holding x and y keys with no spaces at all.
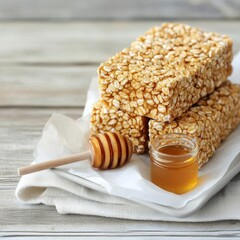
{"x":210,"y":121}
{"x":161,"y":76}
{"x":166,"y":71}
{"x":109,"y":118}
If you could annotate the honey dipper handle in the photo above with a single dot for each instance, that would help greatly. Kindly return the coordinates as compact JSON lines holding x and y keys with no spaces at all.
{"x":54,"y":163}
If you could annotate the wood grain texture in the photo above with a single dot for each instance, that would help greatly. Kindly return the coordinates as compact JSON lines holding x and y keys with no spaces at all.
{"x":137,"y":237}
{"x":41,"y":86}
{"x":20,"y":129}
{"x":82,"y":43}
{"x":124,"y":9}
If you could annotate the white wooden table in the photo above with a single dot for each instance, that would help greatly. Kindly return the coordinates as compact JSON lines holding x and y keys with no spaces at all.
{"x":46,"y":68}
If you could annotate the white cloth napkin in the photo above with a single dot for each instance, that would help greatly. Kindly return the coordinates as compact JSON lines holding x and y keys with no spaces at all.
{"x":78,"y":195}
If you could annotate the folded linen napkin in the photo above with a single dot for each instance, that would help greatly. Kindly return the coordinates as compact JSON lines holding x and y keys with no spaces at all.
{"x":51,"y":188}
{"x":61,"y":189}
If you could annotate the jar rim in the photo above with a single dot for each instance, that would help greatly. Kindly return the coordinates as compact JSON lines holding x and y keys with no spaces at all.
{"x":174,"y":137}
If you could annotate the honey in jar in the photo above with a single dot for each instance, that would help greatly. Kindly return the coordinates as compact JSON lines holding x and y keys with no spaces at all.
{"x":174,"y":164}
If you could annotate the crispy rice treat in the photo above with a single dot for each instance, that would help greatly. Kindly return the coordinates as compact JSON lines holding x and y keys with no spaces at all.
{"x":105,"y":118}
{"x":166,"y":71}
{"x":210,"y":121}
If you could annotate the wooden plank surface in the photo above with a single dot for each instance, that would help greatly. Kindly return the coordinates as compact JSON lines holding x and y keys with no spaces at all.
{"x":20,"y":130}
{"x":82,"y":43}
{"x":49,"y":86}
{"x":124,"y":9}
{"x":46,"y":68}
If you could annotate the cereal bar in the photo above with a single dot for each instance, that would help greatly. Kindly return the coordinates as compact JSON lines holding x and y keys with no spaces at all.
{"x":210,"y":121}
{"x":166,"y":71}
{"x":105,"y":118}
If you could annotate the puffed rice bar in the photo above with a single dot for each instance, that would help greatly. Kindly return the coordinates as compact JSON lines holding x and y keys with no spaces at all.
{"x":166,"y":71}
{"x":105,"y":118}
{"x":210,"y":121}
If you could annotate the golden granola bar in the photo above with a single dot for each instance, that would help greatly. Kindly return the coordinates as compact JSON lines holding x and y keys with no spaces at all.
{"x":165,"y":71}
{"x":210,"y":121}
{"x":106,"y":118}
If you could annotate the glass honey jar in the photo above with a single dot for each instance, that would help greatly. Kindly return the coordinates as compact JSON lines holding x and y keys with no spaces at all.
{"x":174,"y":165}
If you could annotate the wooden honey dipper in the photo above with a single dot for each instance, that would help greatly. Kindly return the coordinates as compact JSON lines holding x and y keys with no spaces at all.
{"x":107,"y":151}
